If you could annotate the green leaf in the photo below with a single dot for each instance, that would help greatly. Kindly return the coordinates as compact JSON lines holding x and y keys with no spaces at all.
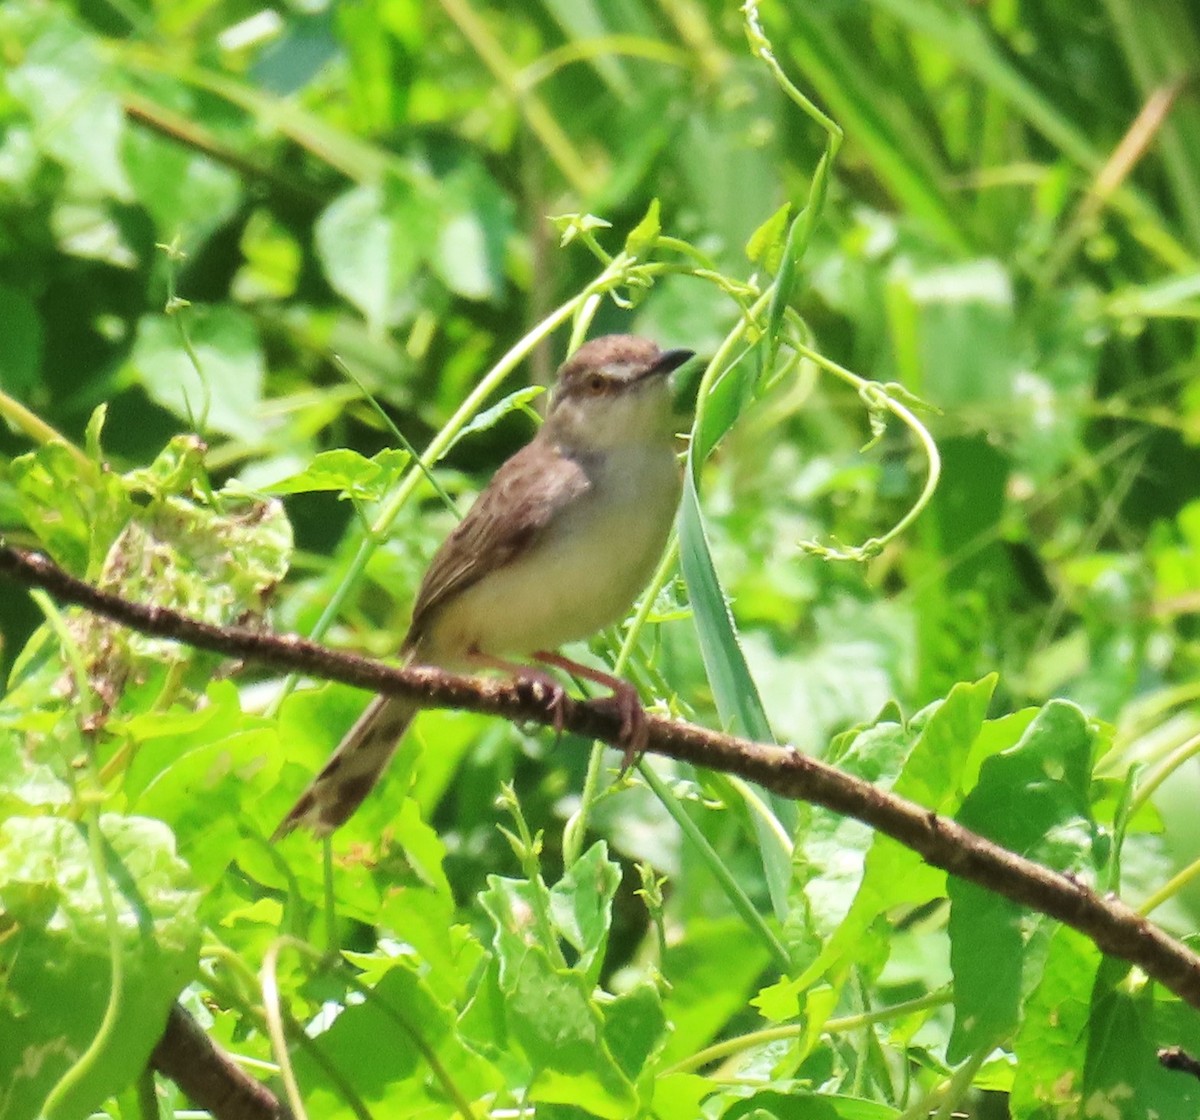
{"x":839,"y":897}
{"x":1052,"y":1041}
{"x":552,"y":1017}
{"x":198,"y":770}
{"x":371,"y":242}
{"x":789,"y":262}
{"x":717,"y":412}
{"x":383,"y":1046}
{"x":766,"y":243}
{"x":734,"y":690}
{"x":645,"y":234}
{"x":831,"y":848}
{"x":67,"y":90}
{"x":1047,"y":774}
{"x":476,"y":225}
{"x":176,"y":470}
{"x":216,"y":557}
{"x":489,"y":417}
{"x":56,"y":955}
{"x":1121,"y":1071}
{"x":581,"y":906}
{"x":224,"y":393}
{"x":424,"y":919}
{"x":934,"y":775}
{"x":549,"y":1011}
{"x":634,"y":1026}
{"x":20,"y":342}
{"x":75,"y":518}
{"x":348,"y":472}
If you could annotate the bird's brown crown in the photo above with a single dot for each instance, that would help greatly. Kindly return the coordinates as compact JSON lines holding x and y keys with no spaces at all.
{"x":616,"y":357}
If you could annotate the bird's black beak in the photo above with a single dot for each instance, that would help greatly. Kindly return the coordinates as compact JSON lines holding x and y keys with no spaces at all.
{"x":667,"y":361}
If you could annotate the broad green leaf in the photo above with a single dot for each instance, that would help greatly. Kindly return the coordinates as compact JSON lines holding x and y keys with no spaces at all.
{"x":848,"y":875}
{"x":354,"y":475}
{"x":1166,"y":1022}
{"x":177,"y":470}
{"x":382,"y":1046}
{"x":70,"y":96}
{"x":424,"y":919}
{"x":74,"y":517}
{"x":222,"y":391}
{"x":198,"y":771}
{"x":26,"y":783}
{"x":634,"y":1027}
{"x":218,"y":563}
{"x":20,"y":342}
{"x":550,"y":1011}
{"x":1121,"y":1060}
{"x":553,"y":1018}
{"x":935,"y":775}
{"x":56,"y":955}
{"x":678,"y":1096}
{"x":475,"y":227}
{"x":1046,"y":774}
{"x":831,"y":848}
{"x":581,"y":906}
{"x":371,"y":241}
{"x":1051,"y":1043}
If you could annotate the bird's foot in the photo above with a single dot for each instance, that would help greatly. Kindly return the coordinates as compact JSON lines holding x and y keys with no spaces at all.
{"x":635,"y":729}
{"x":555,"y":696}
{"x":552,"y":694}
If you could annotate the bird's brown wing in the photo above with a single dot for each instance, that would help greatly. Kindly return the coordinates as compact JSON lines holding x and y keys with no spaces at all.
{"x":504,"y":522}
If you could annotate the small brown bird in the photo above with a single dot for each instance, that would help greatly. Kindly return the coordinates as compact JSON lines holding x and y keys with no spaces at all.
{"x":558,"y":546}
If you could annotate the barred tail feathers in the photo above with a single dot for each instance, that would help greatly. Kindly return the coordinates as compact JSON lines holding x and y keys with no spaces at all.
{"x":352,"y":770}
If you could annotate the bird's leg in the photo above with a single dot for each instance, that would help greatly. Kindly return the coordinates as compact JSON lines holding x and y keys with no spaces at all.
{"x":635,"y":732}
{"x":557,"y":694}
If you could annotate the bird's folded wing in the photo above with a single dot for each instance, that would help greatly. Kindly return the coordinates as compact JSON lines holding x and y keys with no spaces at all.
{"x":505,"y":521}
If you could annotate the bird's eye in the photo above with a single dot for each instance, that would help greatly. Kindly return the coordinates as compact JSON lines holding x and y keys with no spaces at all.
{"x":596,"y":384}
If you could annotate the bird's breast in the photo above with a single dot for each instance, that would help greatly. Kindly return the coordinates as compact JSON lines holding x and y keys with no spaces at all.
{"x":583,"y":572}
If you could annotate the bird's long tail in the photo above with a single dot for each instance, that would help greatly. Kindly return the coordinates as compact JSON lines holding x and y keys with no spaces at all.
{"x":352,"y":769}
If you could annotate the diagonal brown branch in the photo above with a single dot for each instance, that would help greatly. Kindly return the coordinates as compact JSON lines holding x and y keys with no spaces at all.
{"x":207,"y":1075}
{"x":1113,"y":926}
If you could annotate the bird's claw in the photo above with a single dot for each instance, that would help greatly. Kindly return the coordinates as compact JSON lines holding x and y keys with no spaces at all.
{"x":556,"y":705}
{"x":634,"y":735}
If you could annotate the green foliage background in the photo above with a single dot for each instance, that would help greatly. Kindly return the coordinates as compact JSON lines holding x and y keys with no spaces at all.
{"x":240,"y":245}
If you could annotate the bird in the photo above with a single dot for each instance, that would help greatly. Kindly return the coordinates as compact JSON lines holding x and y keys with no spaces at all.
{"x":557,"y":546}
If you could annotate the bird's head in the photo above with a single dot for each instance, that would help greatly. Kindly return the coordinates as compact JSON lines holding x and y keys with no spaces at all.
{"x":613,"y":391}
